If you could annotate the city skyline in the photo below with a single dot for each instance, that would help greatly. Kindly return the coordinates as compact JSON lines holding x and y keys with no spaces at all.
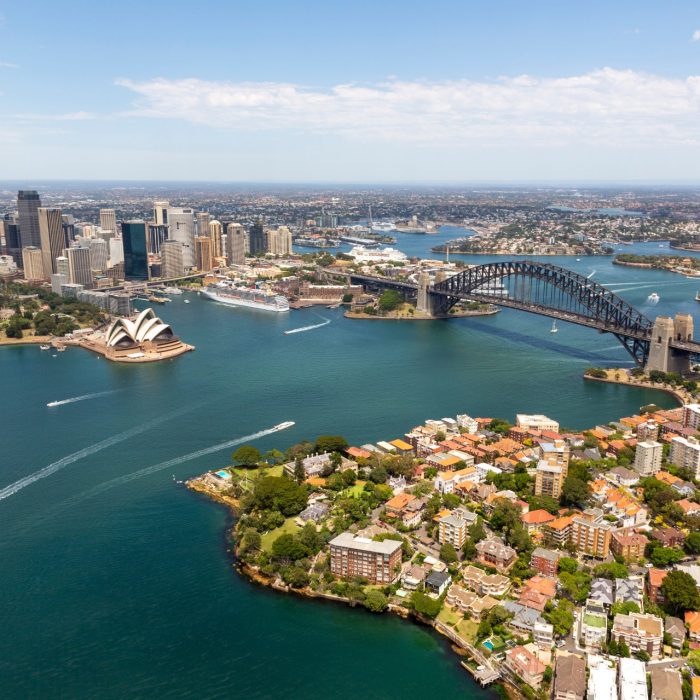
{"x":382,"y":93}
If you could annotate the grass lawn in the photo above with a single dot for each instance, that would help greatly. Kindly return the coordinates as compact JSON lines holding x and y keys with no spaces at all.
{"x":449,"y":616}
{"x":253,"y":474}
{"x":354,"y":491}
{"x":467,"y":629}
{"x":289,"y":528}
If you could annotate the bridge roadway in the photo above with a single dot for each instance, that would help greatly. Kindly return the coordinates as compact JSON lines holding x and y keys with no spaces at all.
{"x":629,"y":338}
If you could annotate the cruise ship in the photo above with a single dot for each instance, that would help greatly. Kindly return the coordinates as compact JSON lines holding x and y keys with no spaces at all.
{"x":228,"y":293}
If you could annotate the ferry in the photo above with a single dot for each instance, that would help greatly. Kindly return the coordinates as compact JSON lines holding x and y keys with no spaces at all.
{"x":227,"y":293}
{"x":285,"y":425}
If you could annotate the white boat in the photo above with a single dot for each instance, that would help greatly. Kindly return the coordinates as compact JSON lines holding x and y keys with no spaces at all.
{"x":228,"y":293}
{"x":554,"y":328}
{"x":383,"y":226}
{"x":172,"y":290}
{"x":653,"y":298}
{"x":578,"y":259}
{"x":44,"y":347}
{"x":285,"y":425}
{"x":186,"y":301}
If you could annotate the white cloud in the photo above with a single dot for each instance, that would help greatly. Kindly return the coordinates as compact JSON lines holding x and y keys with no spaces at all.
{"x":696,"y":35}
{"x":65,"y":117}
{"x":7,"y":64}
{"x":604,"y":107}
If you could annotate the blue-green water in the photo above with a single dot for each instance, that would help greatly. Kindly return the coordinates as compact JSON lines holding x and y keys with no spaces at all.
{"x":115,"y":580}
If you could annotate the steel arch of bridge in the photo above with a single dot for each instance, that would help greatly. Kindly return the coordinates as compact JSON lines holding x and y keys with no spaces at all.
{"x":553,"y":291}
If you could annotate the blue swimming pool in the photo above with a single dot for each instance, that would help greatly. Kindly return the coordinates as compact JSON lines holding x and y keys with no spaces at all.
{"x":223,"y":474}
{"x":488,"y":644}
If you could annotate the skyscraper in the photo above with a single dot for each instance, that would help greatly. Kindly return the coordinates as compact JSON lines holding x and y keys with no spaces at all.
{"x":135,"y":252}
{"x":52,"y":237}
{"x":202,"y":247}
{"x":28,"y":204}
{"x":172,"y":254}
{"x":13,"y":245}
{"x":215,"y":232}
{"x":160,"y":213}
{"x":181,"y":229}
{"x":108,"y":220}
{"x":157,"y":233}
{"x":79,"y":266}
{"x":202,"y":218}
{"x":279,"y":241}
{"x":235,"y":244}
{"x":32,"y":263}
{"x":258,"y":242}
{"x":62,"y":266}
{"x":99,"y":254}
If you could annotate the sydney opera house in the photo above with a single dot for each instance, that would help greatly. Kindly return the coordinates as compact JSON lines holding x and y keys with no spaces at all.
{"x":144,"y":338}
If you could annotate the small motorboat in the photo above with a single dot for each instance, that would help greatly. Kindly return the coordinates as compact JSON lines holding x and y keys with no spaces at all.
{"x":697,"y":296}
{"x":554,"y":328}
{"x":186,"y":301}
{"x":653,"y":298}
{"x":44,"y":347}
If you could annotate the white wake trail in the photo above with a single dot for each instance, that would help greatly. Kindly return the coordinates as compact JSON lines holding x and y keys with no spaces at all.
{"x":308,"y":328}
{"x":59,"y":464}
{"x":126,"y":478}
{"x":84,"y":397}
{"x":591,"y":275}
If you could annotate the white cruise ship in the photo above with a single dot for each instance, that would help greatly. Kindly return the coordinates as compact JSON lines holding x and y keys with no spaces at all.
{"x":363,"y":254}
{"x":228,"y":293}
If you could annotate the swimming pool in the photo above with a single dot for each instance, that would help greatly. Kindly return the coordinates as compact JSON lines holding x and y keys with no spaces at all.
{"x":488,"y":644}
{"x":223,"y":474}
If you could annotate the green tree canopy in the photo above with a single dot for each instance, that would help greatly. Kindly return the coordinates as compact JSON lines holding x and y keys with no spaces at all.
{"x":448,"y":553}
{"x":247,"y":455}
{"x":279,"y":493}
{"x":389,"y":300}
{"x":376,"y":601}
{"x":680,"y":592}
{"x":330,"y":443}
{"x":288,"y":547}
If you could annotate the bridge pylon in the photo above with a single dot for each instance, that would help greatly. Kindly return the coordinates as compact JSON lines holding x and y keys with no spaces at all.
{"x":662,"y":356}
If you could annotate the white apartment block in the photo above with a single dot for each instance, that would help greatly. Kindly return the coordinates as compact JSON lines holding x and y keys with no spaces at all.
{"x":647,"y":457}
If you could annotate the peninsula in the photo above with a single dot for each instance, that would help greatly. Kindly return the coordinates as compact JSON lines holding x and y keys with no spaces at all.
{"x":536,"y":550}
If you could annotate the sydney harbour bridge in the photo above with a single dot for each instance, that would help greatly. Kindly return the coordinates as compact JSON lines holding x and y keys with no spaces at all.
{"x":549,"y":290}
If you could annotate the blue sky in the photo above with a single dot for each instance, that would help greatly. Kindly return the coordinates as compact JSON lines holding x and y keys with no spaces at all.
{"x":380,"y":91}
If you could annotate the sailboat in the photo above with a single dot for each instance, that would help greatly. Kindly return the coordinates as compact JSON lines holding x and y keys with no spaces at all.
{"x":554,"y":328}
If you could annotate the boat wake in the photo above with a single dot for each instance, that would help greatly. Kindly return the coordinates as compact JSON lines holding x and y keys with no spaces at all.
{"x":84,"y":397}
{"x":303,"y":329}
{"x":591,"y":275}
{"x":59,"y":464}
{"x":126,"y":478}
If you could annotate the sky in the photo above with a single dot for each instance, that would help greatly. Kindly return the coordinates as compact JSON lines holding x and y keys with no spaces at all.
{"x":431,"y":91}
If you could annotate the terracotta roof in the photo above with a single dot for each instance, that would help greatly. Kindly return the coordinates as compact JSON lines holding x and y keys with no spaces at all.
{"x":561,"y":523}
{"x":399,"y":501}
{"x":537,"y":517}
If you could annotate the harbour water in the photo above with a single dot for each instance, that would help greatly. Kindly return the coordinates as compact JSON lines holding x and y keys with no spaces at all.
{"x":116,"y":582}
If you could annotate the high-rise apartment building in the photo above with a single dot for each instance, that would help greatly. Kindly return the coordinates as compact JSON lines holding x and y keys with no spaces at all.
{"x":591,"y":534}
{"x":53,"y":240}
{"x":215,"y":232}
{"x":279,"y":241}
{"x":235,"y":244}
{"x":108,"y":220}
{"x":160,"y":213}
{"x":453,"y":530}
{"x":116,"y":251}
{"x":32,"y":263}
{"x":135,"y":250}
{"x":62,"y":266}
{"x":685,"y":452}
{"x":549,"y":480}
{"x":13,"y":244}
{"x":378,"y":562}
{"x":258,"y":240}
{"x":691,"y":416}
{"x":79,"y":266}
{"x":69,"y":228}
{"x":28,"y":203}
{"x":173,"y":259}
{"x":647,"y":457}
{"x":649,"y":430}
{"x":181,"y":229}
{"x":202,"y":249}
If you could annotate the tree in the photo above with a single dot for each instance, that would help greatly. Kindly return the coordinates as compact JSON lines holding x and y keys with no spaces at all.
{"x":568,"y":565}
{"x":680,"y":592}
{"x":330,"y":443}
{"x":484,"y":629}
{"x":642,"y":655}
{"x":693,"y":659}
{"x":623,"y":651}
{"x":469,"y":550}
{"x":425,"y":605}
{"x":251,"y":540}
{"x":624,"y":608}
{"x":378,"y":475}
{"x":547,"y":675}
{"x":278,"y":493}
{"x":299,"y":473}
{"x":661,"y":556}
{"x":692,"y":543}
{"x":376,"y":601}
{"x":247,"y":455}
{"x":289,"y":548}
{"x":295,"y":576}
{"x":612,"y":570}
{"x":477,"y":531}
{"x":561,"y":618}
{"x":613,"y":648}
{"x":389,"y":300}
{"x":575,"y":492}
{"x":448,"y":553}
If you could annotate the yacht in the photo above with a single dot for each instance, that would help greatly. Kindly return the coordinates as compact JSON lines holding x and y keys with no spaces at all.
{"x":554,"y":328}
{"x":653,"y":298}
{"x":285,"y":425}
{"x":44,"y":347}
